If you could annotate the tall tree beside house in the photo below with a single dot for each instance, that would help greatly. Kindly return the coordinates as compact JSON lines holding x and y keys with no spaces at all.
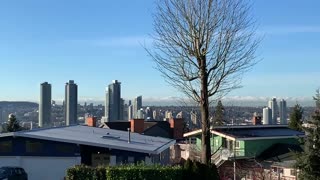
{"x":13,"y":124}
{"x":218,"y":115}
{"x":317,"y":98}
{"x":308,"y":162}
{"x":202,"y":47}
{"x":296,"y":118}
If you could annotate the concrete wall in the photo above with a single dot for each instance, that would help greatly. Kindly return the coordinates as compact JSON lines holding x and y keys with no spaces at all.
{"x":44,"y":168}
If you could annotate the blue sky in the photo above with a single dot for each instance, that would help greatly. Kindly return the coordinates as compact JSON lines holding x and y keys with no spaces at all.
{"x":94,"y":42}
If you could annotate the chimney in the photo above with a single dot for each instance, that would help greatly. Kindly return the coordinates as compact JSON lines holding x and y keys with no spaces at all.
{"x":256,"y":120}
{"x":137,"y":125}
{"x":176,"y":124}
{"x":92,"y":121}
{"x":129,"y":136}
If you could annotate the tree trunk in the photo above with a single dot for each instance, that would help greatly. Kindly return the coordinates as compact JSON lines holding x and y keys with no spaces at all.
{"x":204,"y":107}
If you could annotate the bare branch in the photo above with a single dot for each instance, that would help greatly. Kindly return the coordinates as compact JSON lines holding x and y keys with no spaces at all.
{"x":202,"y":47}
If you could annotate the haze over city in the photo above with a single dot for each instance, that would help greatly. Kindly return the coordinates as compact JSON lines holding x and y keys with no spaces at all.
{"x":96,"y":42}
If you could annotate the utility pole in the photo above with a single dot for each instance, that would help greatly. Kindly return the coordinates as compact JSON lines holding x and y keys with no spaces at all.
{"x":234,"y":160}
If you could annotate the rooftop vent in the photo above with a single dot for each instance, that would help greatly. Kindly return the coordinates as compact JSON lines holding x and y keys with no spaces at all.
{"x":108,"y":136}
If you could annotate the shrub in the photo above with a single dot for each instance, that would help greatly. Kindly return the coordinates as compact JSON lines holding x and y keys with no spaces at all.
{"x":81,"y":172}
{"x":190,"y":170}
{"x":197,"y":170}
{"x":138,"y":172}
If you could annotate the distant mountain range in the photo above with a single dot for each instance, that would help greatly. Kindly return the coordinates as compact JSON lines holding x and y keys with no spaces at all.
{"x":245,"y":101}
{"x":18,"y":104}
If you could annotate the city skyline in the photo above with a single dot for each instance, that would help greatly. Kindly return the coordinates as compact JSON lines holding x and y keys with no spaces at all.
{"x":42,"y":46}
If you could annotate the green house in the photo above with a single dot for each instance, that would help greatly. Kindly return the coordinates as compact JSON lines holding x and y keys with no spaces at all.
{"x":243,"y":142}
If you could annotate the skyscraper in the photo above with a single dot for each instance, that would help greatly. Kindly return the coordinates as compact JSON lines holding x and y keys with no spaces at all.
{"x":193,"y":117}
{"x":130,"y":113}
{"x":45,"y":105}
{"x":155,"y":115}
{"x":113,"y":102}
{"x":3,"y":115}
{"x":274,"y":107}
{"x":1,"y":119}
{"x":137,"y":105}
{"x":148,"y":112}
{"x":267,"y":116}
{"x":140,"y":114}
{"x":121,"y":117}
{"x":283,"y":111}
{"x":71,"y":102}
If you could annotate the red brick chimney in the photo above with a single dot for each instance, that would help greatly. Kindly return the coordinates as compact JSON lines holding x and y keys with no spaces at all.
{"x":256,"y":120}
{"x":177,"y":124}
{"x":92,"y":121}
{"x":137,"y":125}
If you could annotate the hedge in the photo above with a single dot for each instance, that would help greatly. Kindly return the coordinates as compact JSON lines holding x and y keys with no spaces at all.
{"x":144,"y":172}
{"x":191,"y":170}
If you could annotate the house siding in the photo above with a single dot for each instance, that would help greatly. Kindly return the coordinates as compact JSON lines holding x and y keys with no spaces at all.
{"x":240,"y":151}
{"x":53,"y":149}
{"x":47,"y":148}
{"x":254,"y":148}
{"x":248,"y":148}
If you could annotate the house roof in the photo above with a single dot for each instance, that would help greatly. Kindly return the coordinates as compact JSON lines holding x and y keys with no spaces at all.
{"x":285,"y":164}
{"x":148,"y":126}
{"x":99,"y":137}
{"x":252,"y":132}
{"x":117,"y":125}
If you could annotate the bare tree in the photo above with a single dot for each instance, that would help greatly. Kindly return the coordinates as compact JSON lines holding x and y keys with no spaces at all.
{"x":202,"y":47}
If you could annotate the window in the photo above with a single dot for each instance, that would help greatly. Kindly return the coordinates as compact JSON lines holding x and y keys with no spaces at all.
{"x":100,"y":159}
{"x":280,"y":170}
{"x":238,"y":144}
{"x":65,"y":148}
{"x":33,"y":147}
{"x":293,"y":172}
{"x":5,"y":146}
{"x":120,"y":160}
{"x":130,"y":159}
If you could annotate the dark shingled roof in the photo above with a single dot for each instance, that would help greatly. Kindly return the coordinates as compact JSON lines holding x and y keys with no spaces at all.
{"x":121,"y":125}
{"x":258,"y":131}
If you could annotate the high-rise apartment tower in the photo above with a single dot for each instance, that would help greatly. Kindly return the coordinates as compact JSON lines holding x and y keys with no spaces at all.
{"x":137,"y":105}
{"x":283,"y":111}
{"x":274,"y":110}
{"x":45,"y":105}
{"x":113,"y":102}
{"x":71,"y":103}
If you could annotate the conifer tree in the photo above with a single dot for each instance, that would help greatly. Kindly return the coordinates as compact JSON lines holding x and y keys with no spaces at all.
{"x":308,"y":162}
{"x":219,"y":115}
{"x":296,"y":118}
{"x":13,"y":124}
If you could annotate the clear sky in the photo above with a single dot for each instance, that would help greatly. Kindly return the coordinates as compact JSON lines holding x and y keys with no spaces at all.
{"x":94,"y":42}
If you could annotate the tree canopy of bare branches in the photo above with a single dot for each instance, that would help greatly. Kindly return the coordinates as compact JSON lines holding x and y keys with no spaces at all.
{"x":202,"y":47}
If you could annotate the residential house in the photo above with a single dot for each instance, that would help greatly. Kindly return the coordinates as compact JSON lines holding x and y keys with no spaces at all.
{"x":261,"y":144}
{"x":172,"y":128}
{"x":47,"y":153}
